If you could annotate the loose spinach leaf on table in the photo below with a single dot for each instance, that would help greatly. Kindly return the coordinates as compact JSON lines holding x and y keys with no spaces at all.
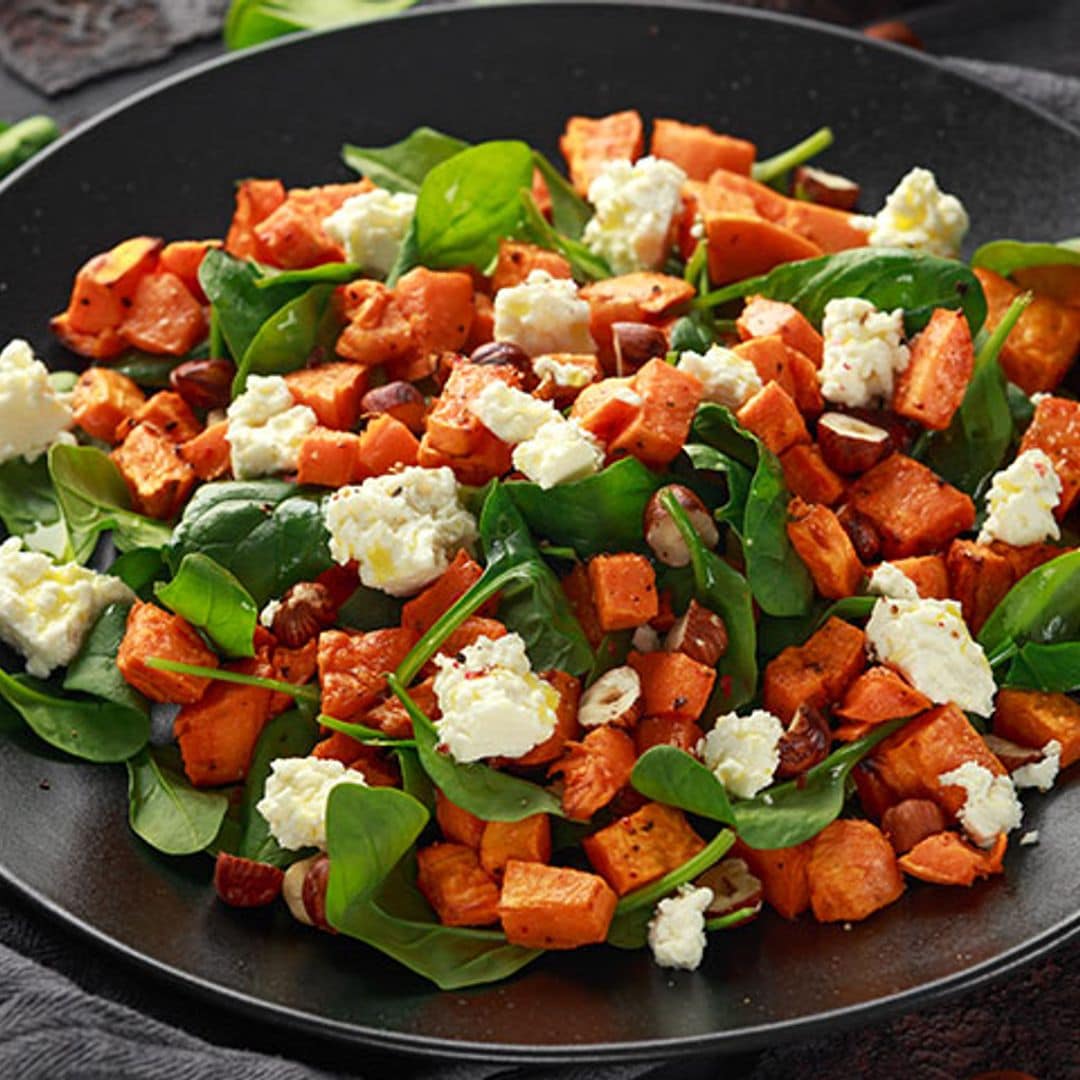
{"x":89,"y":728}
{"x":1050,"y":668}
{"x":29,"y":507}
{"x":209,"y":597}
{"x":94,"y":498}
{"x":251,"y":22}
{"x":1006,"y":256}
{"x":402,"y":166}
{"x":94,"y":671}
{"x":166,"y":810}
{"x":268,"y":533}
{"x":887,"y":277}
{"x":370,"y":832}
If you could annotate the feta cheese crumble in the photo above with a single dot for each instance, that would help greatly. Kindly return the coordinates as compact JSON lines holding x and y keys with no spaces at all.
{"x":543,"y":315}
{"x":990,"y":805}
{"x":562,"y":373}
{"x":371,"y":227}
{"x":918,"y":215}
{"x":560,"y":451}
{"x":510,"y":414}
{"x":636,"y":205}
{"x":266,"y":428}
{"x":294,"y":799}
{"x":864,"y":352}
{"x":726,"y":377}
{"x":677,"y":928}
{"x":1040,"y":774}
{"x":1029,"y":838}
{"x":928,"y":642}
{"x":743,"y":751}
{"x":491,"y":703}
{"x":890,"y":580}
{"x":47,"y":609}
{"x":32,"y":414}
{"x":1021,"y":501}
{"x":269,"y":613}
{"x":402,"y":528}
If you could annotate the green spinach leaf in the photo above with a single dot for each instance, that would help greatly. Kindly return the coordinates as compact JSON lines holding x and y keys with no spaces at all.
{"x":585,"y":265}
{"x":1006,"y":256}
{"x":338,"y":273}
{"x":29,"y":507}
{"x":251,"y":22}
{"x":1050,"y":668}
{"x":138,"y":569}
{"x":369,"y":609}
{"x":776,"y":168}
{"x":151,"y":370}
{"x":569,"y":211}
{"x":671,"y":776}
{"x":94,"y":671}
{"x":402,"y":166}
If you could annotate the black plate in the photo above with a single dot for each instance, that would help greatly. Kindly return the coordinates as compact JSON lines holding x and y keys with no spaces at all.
{"x":164,"y":164}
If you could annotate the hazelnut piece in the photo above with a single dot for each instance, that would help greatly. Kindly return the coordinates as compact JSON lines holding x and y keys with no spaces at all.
{"x":662,"y":534}
{"x":850,"y":445}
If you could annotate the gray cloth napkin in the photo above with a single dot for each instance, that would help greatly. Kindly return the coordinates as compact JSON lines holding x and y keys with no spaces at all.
{"x":111,"y":1028}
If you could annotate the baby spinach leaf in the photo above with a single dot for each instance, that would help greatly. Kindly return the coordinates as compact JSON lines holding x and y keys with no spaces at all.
{"x":585,"y":265}
{"x":29,"y":507}
{"x":690,"y":334}
{"x":1050,"y":668}
{"x":166,"y":810}
{"x":362,"y":733}
{"x":209,"y":597}
{"x":301,"y":694}
{"x":467,"y":203}
{"x":888,"y":277}
{"x":778,"y":577}
{"x":600,"y":513}
{"x":139,"y":568}
{"x":775,"y":635}
{"x":1006,"y":256}
{"x":711,"y":465}
{"x":775,"y":168}
{"x":569,"y":211}
{"x":369,"y":609}
{"x":669,"y":775}
{"x":150,"y":370}
{"x":975,"y":443}
{"x":20,"y":141}
{"x":268,"y":533}
{"x":337,"y":273}
{"x":402,"y":166}
{"x":478,"y":788}
{"x":787,"y":814}
{"x":732,"y":919}
{"x":251,"y":22}
{"x":94,"y":498}
{"x":94,"y":670}
{"x":370,"y":832}
{"x":95,"y":730}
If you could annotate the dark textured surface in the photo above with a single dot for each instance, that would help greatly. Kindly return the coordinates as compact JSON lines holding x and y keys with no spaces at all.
{"x":877,"y":102}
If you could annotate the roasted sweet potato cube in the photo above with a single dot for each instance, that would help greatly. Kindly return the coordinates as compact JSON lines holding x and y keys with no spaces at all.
{"x":607,"y":408}
{"x":455,"y":885}
{"x":566,"y":722}
{"x":518,"y":260}
{"x":979,"y":577}
{"x":929,"y":390}
{"x":379,"y":331}
{"x":928,"y":573}
{"x":874,"y":797}
{"x":554,"y":907}
{"x":256,"y":200}
{"x":386,"y":444}
{"x":102,"y":399}
{"x":669,"y":399}
{"x":853,"y":872}
{"x":1032,"y":718}
{"x":158,"y":479}
{"x":579,"y":592}
{"x":825,"y":548}
{"x":589,"y":143}
{"x":293,"y":237}
{"x":673,"y":684}
{"x":946,"y":859}
{"x":328,"y":458}
{"x":742,"y":245}
{"x":698,"y":150}
{"x":105,"y":286}
{"x":910,"y":822}
{"x":168,"y":413}
{"x":458,"y":826}
{"x":831,"y":228}
{"x":390,"y":717}
{"x":772,"y":415}
{"x":528,"y":840}
{"x":353,"y":667}
{"x":153,"y":632}
{"x":183,"y":258}
{"x":808,"y":477}
{"x":208,"y":453}
{"x":879,"y":695}
{"x":332,"y":391}
{"x":762,"y":317}
{"x":1044,"y":342}
{"x":783,"y":877}
{"x":1055,"y":429}
{"x":910,"y":761}
{"x":646,"y":845}
{"x":422,"y":612}
{"x":439,"y":307}
{"x":101,"y":345}
{"x":912,"y":509}
{"x":666,"y":731}
{"x":623,"y":589}
{"x":594,"y":771}
{"x":337,"y":746}
{"x":1060,"y":282}
{"x":163,"y":317}
{"x":642,"y":296}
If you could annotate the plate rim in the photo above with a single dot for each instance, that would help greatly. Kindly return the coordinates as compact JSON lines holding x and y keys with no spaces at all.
{"x":430,"y":1047}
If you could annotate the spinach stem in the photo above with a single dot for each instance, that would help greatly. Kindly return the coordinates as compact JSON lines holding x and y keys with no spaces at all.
{"x":774,"y":167}
{"x":711,"y":853}
{"x":301,"y":693}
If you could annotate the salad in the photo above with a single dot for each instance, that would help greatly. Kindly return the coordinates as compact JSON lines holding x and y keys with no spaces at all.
{"x":481,"y":561}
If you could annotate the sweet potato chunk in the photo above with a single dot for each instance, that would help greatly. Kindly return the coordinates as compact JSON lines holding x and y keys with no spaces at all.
{"x":580,"y":595}
{"x":208,"y":453}
{"x":518,"y":260}
{"x":594,"y":771}
{"x":102,"y":399}
{"x":168,"y":413}
{"x":158,"y":479}
{"x":163,"y":317}
{"x":698,"y":150}
{"x":946,"y":859}
{"x":386,"y":444}
{"x":105,"y":286}
{"x":830,"y":228}
{"x":677,"y":731}
{"x":554,"y":907}
{"x":1059,"y":282}
{"x":853,"y":872}
{"x":379,"y":331}
{"x":658,"y":431}
{"x":422,"y":612}
{"x":328,"y":458}
{"x":353,"y":667}
{"x":566,"y":723}
{"x":455,"y":885}
{"x":153,"y":632}
{"x":183,"y":258}
{"x":588,"y":144}
{"x":825,"y":548}
{"x":912,"y":509}
{"x":742,"y":245}
{"x":332,"y":391}
{"x":439,"y":307}
{"x":879,"y":695}
{"x":772,"y":415}
{"x":783,"y":877}
{"x":256,"y":200}
{"x":458,"y":825}
{"x":910,"y":822}
{"x":929,"y":574}
{"x":1032,"y":718}
{"x":762,"y":317}
{"x":390,"y":717}
{"x":673,"y":684}
{"x":808,"y":477}
{"x":528,"y":840}
{"x":292,"y":235}
{"x":1055,"y":430}
{"x":930,"y":389}
{"x":623,"y":590}
{"x":607,"y":408}
{"x":979,"y":577}
{"x":646,"y":845}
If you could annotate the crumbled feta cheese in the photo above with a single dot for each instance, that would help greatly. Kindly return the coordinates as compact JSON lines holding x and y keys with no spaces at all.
{"x":402,"y":528}
{"x":743,"y":751}
{"x":990,"y":807}
{"x":726,"y":378}
{"x":645,"y":639}
{"x":510,"y":414}
{"x":562,"y":372}
{"x":269,"y":613}
{"x":294,"y":798}
{"x":561,"y":451}
{"x":889,"y":580}
{"x":1040,"y":774}
{"x":32,"y":413}
{"x":677,"y":929}
{"x":929,"y":643}
{"x":491,"y":703}
{"x":1021,"y":500}
{"x":543,"y":315}
{"x":636,"y":205}
{"x":47,"y":609}
{"x":918,"y":215}
{"x":371,"y":227}
{"x":1029,"y":838}
{"x":266,"y":428}
{"x":1039,"y":397}
{"x":864,"y":352}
